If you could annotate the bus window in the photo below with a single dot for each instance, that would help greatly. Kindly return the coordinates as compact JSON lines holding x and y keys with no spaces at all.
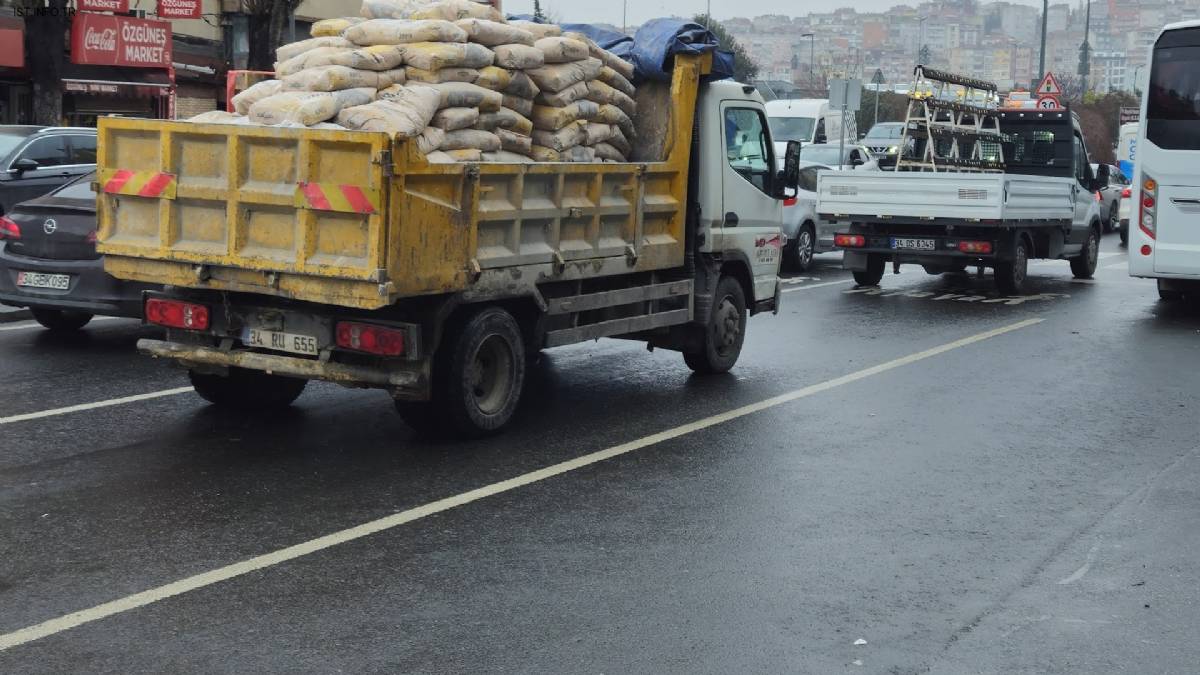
{"x":1173,"y":109}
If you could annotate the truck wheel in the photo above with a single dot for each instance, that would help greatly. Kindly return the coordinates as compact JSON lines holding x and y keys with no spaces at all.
{"x":1168,"y":294}
{"x":874,"y":272}
{"x":1114,"y":218}
{"x":725,"y":332}
{"x":247,"y":389}
{"x":800,"y":252}
{"x":1124,"y":235}
{"x":1011,"y":274}
{"x":479,"y":374}
{"x":60,"y":320}
{"x":1083,"y":266}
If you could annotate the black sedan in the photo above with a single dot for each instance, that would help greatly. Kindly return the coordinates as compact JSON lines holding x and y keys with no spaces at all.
{"x":49,"y":263}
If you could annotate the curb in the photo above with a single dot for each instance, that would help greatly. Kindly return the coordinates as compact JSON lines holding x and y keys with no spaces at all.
{"x":15,"y":316}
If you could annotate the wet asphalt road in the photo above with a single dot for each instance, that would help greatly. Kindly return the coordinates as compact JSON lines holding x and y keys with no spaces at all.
{"x":1018,"y":501}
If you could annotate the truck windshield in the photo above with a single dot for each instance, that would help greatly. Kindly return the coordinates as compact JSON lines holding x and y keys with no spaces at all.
{"x":1173,"y":110}
{"x":792,"y":128}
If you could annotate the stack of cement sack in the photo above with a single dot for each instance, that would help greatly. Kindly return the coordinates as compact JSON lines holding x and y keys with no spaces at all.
{"x":456,"y":77}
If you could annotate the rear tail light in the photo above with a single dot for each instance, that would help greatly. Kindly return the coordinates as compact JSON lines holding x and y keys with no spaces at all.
{"x":1149,"y":200}
{"x":975,"y":246}
{"x":790,"y":201}
{"x":176,"y":314}
{"x":365,"y":337}
{"x":849,"y":240}
{"x":9,"y":229}
{"x":1126,"y":193}
{"x":1097,"y":196}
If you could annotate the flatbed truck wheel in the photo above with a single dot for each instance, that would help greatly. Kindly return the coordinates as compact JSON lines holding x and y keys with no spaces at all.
{"x":874,"y":272}
{"x":1011,"y":274}
{"x":478,"y":375}
{"x":1083,"y":266}
{"x":247,"y":389}
{"x":725,"y":332}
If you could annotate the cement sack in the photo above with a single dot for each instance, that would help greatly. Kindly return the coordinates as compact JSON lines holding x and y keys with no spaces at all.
{"x":254,"y":94}
{"x":608,"y":153}
{"x":539,"y":30}
{"x":495,"y":78}
{"x":465,"y":139}
{"x":611,"y":60}
{"x":611,"y":114}
{"x":430,"y":140}
{"x":439,"y":76}
{"x":602,"y":93}
{"x":617,"y":81}
{"x":598,"y":133}
{"x":333,"y":27}
{"x":390,"y":9}
{"x":573,"y":93}
{"x":307,"y":108}
{"x":518,"y":104}
{"x":438,"y":55}
{"x":580,"y":153}
{"x":438,"y":157}
{"x":464,"y":155}
{"x":553,"y":119}
{"x":219,"y":117}
{"x":621,"y":143}
{"x":313,"y":58}
{"x":521,"y":85}
{"x":405,"y":117}
{"x":336,"y":78}
{"x":467,"y":95}
{"x":378,"y":57}
{"x":453,"y":119}
{"x":558,"y":76}
{"x":568,"y":137}
{"x":453,"y":10}
{"x":505,"y":118}
{"x":506,"y":157}
{"x":513,"y":142}
{"x":398,"y":32}
{"x":297,"y":48}
{"x":561,"y":49}
{"x":327,"y":126}
{"x":519,"y":57}
{"x":542,"y":154}
{"x":494,"y":33}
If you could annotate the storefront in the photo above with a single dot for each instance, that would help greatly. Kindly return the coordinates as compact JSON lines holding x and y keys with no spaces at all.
{"x":16,"y":94}
{"x":120,"y":65}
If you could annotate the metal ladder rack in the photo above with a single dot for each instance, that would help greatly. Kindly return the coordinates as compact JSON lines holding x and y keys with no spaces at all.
{"x":956,"y":115}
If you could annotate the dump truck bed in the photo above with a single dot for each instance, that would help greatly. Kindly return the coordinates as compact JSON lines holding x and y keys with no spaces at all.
{"x":361,"y":220}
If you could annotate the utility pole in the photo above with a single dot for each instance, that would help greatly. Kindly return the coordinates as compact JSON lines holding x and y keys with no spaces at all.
{"x":877,"y":80}
{"x":1042,"y":58}
{"x":625,"y":16}
{"x":812,"y":55}
{"x":1085,"y":65}
{"x":708,"y":14}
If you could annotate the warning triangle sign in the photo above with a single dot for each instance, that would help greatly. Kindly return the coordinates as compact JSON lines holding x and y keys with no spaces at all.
{"x":1049,"y":86}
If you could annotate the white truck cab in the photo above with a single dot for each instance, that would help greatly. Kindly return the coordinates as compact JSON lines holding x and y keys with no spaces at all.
{"x":810,"y":121}
{"x":1164,"y":229}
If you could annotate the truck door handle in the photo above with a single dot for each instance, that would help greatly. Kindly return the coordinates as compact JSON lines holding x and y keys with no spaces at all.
{"x":731,"y":219}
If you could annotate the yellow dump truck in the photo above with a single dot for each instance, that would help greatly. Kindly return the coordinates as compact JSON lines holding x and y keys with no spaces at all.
{"x":295,"y":254}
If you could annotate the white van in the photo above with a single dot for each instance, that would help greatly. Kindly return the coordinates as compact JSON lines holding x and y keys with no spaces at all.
{"x":808,"y":120}
{"x":1165,"y":244}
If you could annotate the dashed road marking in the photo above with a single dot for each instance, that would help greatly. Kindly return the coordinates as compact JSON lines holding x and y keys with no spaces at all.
{"x":26,"y":325}
{"x":131,"y":602}
{"x":54,"y":412}
{"x":820,"y":285}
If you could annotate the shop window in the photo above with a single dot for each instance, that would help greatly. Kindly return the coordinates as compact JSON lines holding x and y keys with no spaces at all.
{"x":49,"y":151}
{"x":83,"y":149}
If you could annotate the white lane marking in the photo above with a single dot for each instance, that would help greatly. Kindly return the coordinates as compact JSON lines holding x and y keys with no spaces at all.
{"x":26,"y":325}
{"x":820,"y":285}
{"x":1119,"y":263}
{"x":130,"y":602}
{"x":93,"y":406}
{"x":1087,"y":565}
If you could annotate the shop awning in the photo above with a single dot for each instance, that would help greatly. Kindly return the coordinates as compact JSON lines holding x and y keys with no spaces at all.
{"x":115,"y":80}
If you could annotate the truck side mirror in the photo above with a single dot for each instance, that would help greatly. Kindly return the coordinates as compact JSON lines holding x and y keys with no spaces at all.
{"x":1103,"y":175}
{"x":790,"y":176}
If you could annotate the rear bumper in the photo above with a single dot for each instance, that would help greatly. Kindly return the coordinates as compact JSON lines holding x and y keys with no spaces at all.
{"x":91,"y":289}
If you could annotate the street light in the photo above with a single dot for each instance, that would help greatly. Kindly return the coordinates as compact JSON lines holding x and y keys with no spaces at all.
{"x":1042,"y":58}
{"x":921,"y":41}
{"x":812,"y":54}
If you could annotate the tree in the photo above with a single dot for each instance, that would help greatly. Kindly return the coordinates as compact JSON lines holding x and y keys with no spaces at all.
{"x":538,"y":14}
{"x":744,"y":67}
{"x":46,"y":23}
{"x":268,"y":19}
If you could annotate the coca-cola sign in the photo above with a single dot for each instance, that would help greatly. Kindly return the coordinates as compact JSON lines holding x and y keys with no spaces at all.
{"x":118,"y":6}
{"x":179,"y":9}
{"x":100,"y":39}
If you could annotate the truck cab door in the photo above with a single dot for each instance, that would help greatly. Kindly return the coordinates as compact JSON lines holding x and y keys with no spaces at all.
{"x":1085,"y":199}
{"x":751,"y":220}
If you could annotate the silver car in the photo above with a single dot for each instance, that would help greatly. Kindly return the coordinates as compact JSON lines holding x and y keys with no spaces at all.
{"x":806,"y":233}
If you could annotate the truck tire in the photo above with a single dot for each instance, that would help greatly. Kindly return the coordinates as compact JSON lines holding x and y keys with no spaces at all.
{"x":725,"y":332}
{"x":478,"y":376}
{"x":1124,"y":234}
{"x":1114,"y":217}
{"x":800,"y":252}
{"x":1083,"y":266}
{"x":1011,"y":274}
{"x":874,"y":272}
{"x":60,"y":320}
{"x":247,"y":389}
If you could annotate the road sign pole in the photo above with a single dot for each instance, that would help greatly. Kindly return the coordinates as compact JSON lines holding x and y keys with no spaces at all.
{"x":842,"y":136}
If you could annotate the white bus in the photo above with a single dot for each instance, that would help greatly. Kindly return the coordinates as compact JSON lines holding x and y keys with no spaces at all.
{"x":1165,"y":243}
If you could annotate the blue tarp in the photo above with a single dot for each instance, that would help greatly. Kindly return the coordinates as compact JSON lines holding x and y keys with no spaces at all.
{"x":651,"y":49}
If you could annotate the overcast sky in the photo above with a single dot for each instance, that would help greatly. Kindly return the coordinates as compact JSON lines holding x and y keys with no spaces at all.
{"x":609,"y":11}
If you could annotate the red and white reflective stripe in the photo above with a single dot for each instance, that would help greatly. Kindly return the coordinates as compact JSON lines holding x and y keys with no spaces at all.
{"x":151,"y":184}
{"x":337,"y":197}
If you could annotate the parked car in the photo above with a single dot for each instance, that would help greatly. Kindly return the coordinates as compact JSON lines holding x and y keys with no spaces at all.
{"x":1110,"y":197}
{"x":884,"y":139}
{"x":853,"y":157}
{"x":807,"y":234}
{"x":49,"y":263}
{"x":37,"y":160}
